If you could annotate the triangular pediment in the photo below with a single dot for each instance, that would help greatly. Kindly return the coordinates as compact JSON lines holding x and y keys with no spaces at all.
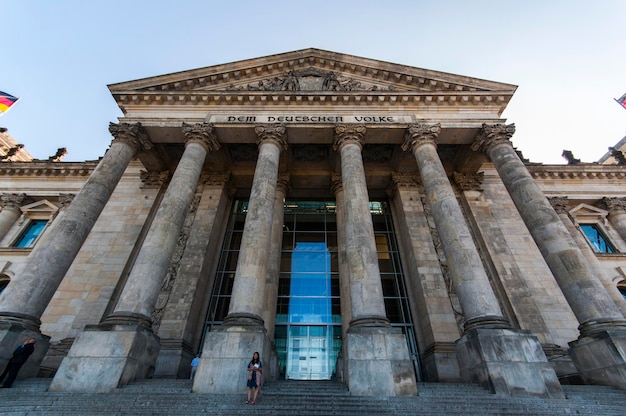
{"x":312,"y":72}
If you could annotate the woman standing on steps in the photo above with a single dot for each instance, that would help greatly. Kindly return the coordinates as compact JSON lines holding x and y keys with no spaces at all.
{"x":255,"y":378}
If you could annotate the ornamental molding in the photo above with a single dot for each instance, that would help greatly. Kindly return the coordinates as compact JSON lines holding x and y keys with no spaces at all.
{"x":311,"y":75}
{"x":565,"y":172}
{"x":47,"y":168}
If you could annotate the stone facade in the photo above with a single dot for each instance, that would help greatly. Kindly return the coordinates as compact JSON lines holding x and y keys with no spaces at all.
{"x":504,"y":285}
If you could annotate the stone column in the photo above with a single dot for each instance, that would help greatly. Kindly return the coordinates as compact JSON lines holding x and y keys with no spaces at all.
{"x":273,"y":272}
{"x":10,"y":211}
{"x":490,"y":352}
{"x":560,"y":206}
{"x":273,"y":264}
{"x":617,"y":214}
{"x":124,"y":343}
{"x":602,"y":325}
{"x":227,"y":349}
{"x":377,"y":357}
{"x":344,"y":272}
{"x":24,"y":300}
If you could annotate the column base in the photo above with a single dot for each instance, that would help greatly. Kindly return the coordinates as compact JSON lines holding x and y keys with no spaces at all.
{"x":174,"y":359}
{"x":12,"y":335}
{"x":508,"y":362}
{"x":440,"y":364}
{"x":378,"y":362}
{"x":601,"y":357}
{"x":225,"y":355}
{"x":104,"y":358}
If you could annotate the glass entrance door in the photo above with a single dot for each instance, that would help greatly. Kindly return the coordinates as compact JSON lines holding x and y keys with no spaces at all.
{"x":308,"y":353}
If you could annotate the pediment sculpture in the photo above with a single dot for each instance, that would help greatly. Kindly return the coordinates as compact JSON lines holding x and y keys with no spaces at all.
{"x":311,"y":79}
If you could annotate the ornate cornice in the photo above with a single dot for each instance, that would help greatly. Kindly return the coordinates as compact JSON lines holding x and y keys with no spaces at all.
{"x":47,"y":168}
{"x":589,"y":171}
{"x":263,"y":98}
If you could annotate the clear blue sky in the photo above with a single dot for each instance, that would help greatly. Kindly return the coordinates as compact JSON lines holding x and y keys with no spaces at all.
{"x":568,"y":58}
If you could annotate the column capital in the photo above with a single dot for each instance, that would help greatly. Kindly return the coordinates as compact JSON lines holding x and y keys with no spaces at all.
{"x":469,"y":181}
{"x":404,"y":179}
{"x":274,"y":133}
{"x":493,"y":135}
{"x":615,"y":205}
{"x":349,"y":134}
{"x":559,"y":203}
{"x":12,"y":200}
{"x":66,"y":200}
{"x":203,"y":134}
{"x":153,"y":179}
{"x":282,"y":183}
{"x":418,"y":134}
{"x":132,"y":135}
{"x":336,"y":185}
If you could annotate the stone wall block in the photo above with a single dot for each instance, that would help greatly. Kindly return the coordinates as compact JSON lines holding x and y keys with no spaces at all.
{"x":225,"y":357}
{"x":100,"y":361}
{"x":601,"y":358}
{"x":506,"y":361}
{"x":380,"y":353}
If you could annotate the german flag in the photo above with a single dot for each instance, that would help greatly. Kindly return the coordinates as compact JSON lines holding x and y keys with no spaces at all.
{"x":6,"y":101}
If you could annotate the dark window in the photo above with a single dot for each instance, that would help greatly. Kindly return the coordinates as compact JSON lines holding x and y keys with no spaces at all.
{"x":30,"y":234}
{"x":598,"y":240}
{"x":621,"y":286}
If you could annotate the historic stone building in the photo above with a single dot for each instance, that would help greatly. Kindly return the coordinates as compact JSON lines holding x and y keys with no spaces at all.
{"x":345,"y":217}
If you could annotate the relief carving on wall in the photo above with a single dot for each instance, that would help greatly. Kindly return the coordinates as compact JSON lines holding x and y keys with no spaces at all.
{"x":311,"y":79}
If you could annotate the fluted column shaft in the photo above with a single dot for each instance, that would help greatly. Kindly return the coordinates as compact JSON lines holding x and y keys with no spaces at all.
{"x":617,"y":214}
{"x":28,"y":296}
{"x":273,"y":265}
{"x":247,"y":298}
{"x":560,"y":206}
{"x":10,"y":211}
{"x":366,"y":294}
{"x":587,"y":297}
{"x":479,"y":303}
{"x":142,"y":288}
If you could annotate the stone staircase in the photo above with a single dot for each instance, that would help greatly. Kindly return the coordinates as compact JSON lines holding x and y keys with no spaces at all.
{"x":290,"y":398}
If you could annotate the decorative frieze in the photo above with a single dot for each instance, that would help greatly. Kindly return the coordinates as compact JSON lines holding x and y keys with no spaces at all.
{"x":310,"y":152}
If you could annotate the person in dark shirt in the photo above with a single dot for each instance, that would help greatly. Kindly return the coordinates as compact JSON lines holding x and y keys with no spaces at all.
{"x":19,"y":357}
